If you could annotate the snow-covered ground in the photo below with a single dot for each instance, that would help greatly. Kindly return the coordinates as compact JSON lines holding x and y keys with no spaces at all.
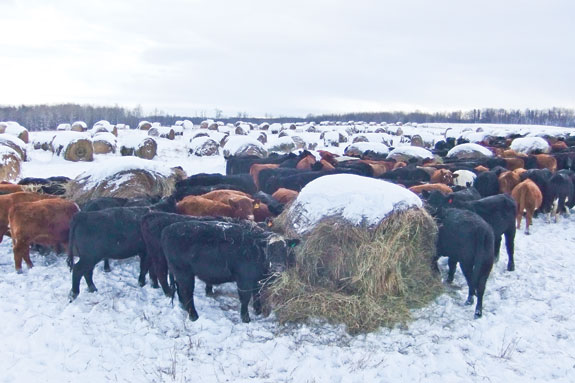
{"x":126,"y":333}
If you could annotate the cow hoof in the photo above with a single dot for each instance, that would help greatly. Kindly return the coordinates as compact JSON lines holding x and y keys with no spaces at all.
{"x":92,"y":289}
{"x":511,"y":267}
{"x":449,"y":280}
{"x":142,"y":283}
{"x":246,"y":318}
{"x":193,"y":317}
{"x":19,"y":271}
{"x":155,"y":285}
{"x":72,"y":296}
{"x":469,"y":301}
{"x":478,"y":314}
{"x":527,"y":233}
{"x":107,"y":269}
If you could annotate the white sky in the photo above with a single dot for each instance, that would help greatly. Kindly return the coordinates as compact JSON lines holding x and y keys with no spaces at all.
{"x":289,"y":57}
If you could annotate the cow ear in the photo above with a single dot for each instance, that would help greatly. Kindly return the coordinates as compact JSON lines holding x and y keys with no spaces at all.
{"x":455,"y":175}
{"x":292,"y":242}
{"x":269,"y":222}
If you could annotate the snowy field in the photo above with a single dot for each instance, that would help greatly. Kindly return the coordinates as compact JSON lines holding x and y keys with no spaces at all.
{"x":124,"y":333}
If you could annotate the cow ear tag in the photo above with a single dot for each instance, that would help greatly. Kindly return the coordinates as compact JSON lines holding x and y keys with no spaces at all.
{"x":450,"y":200}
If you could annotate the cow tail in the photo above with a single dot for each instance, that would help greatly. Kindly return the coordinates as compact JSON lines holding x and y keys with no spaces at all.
{"x":483,"y":248}
{"x":71,"y":247}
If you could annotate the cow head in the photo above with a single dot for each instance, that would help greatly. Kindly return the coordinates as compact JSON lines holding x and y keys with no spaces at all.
{"x":279,"y":252}
{"x":436,"y":200}
{"x":243,"y":208}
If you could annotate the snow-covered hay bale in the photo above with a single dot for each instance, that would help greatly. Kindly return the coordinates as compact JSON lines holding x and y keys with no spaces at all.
{"x":405,"y":153}
{"x":283,"y":144}
{"x":143,"y":147}
{"x":61,"y":127}
{"x":15,"y":129}
{"x":364,"y":262}
{"x":359,"y":149}
{"x":162,"y":132}
{"x":9,"y":164}
{"x":144,"y":125}
{"x":416,"y":140}
{"x":104,"y":143}
{"x":528,"y":145}
{"x":130,"y":178}
{"x":204,"y":146}
{"x":79,"y":126}
{"x":262,"y":137}
{"x":469,"y":151}
{"x":332,"y":138}
{"x":104,"y":126}
{"x":14,"y":143}
{"x":73,"y":146}
{"x":244,"y":146}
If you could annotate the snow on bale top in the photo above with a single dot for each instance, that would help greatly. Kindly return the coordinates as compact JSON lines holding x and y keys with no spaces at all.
{"x":469,"y":151}
{"x":65,"y":138}
{"x":355,"y":198}
{"x":14,"y":129}
{"x":359,"y":148}
{"x":64,"y":127}
{"x":283,"y":144}
{"x":244,"y":145}
{"x":128,"y":177}
{"x":403,"y":153}
{"x":527,"y":145}
{"x":203,"y":146}
{"x":105,"y":136}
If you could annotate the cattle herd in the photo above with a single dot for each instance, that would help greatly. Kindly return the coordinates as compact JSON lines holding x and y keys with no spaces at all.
{"x":217,"y":227}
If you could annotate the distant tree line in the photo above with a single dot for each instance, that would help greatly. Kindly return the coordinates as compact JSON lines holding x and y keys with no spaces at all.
{"x":48,"y":117}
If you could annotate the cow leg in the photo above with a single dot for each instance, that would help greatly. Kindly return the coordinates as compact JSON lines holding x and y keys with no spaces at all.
{"x":480,"y":291}
{"x":143,"y":270}
{"x":107,"y":268}
{"x":510,"y":246}
{"x":257,"y":299}
{"x":497,"y":244}
{"x":518,"y":218}
{"x":452,"y":263}
{"x":467,"y":269}
{"x":209,"y":290}
{"x":245,"y":293}
{"x":186,"y":286}
{"x":78,"y":271}
{"x":528,"y":221}
{"x":162,"y":274}
{"x":434,"y":265}
{"x":21,"y":252}
{"x":89,"y":281}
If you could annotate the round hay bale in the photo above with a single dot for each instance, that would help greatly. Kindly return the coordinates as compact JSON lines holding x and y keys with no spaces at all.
{"x":244,"y":146}
{"x":129,"y":178}
{"x":79,"y":126}
{"x":104,"y":143}
{"x":262,"y":137}
{"x":530,"y":145}
{"x":360,"y":139}
{"x":3,"y":126}
{"x":405,"y":153}
{"x":204,"y":146}
{"x":283,"y":144}
{"x":200,"y":134}
{"x":14,"y":143}
{"x":9,"y":164}
{"x":64,"y":127}
{"x":416,"y":140}
{"x":469,"y":151}
{"x":242,"y":130}
{"x":144,"y":125}
{"x":264,"y":126}
{"x":311,"y":129}
{"x":299,"y":142}
{"x":147,"y":149}
{"x":79,"y":150}
{"x":15,"y":129}
{"x":358,"y":149}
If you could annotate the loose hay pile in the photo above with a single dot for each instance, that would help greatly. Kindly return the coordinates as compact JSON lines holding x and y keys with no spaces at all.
{"x":363,"y":277}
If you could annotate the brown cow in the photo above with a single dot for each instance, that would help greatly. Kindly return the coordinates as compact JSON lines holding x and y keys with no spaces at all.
{"x":379,"y":167}
{"x":203,"y":207}
{"x":10,"y":188}
{"x":528,"y":198}
{"x":481,"y":169}
{"x":546,"y":161}
{"x":284,"y":195}
{"x":507,"y":181}
{"x":559,"y":146}
{"x":326,"y":165}
{"x":306,"y":162}
{"x":242,"y":204}
{"x":255,"y":170}
{"x":443,"y":176}
{"x":45,"y":222}
{"x":418,"y":189}
{"x":9,"y":200}
{"x":519,"y":171}
{"x":329,"y":157}
{"x":514,"y":163}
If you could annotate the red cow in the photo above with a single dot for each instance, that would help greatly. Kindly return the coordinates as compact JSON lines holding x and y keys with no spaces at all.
{"x":528,"y":198}
{"x":9,"y":200}
{"x":284,"y":195}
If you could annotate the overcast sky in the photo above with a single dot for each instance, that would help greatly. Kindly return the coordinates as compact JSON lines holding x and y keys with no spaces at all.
{"x":289,"y":57}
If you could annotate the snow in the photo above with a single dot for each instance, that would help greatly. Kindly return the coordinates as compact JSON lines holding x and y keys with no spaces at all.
{"x":133,"y":140}
{"x":105,"y":136}
{"x":355,"y":198}
{"x":236,"y":144}
{"x":64,"y":127}
{"x":65,"y":138}
{"x":5,"y":150}
{"x":411,"y":151}
{"x":14,"y":128}
{"x":130,"y":334}
{"x":529,"y":144}
{"x":373,"y":146}
{"x":111,"y":166}
{"x":469,"y":148}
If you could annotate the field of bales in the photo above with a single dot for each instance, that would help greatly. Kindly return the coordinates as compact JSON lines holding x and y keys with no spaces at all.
{"x":128,"y":333}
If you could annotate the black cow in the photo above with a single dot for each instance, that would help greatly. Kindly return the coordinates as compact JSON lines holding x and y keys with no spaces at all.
{"x":242,"y":164}
{"x":110,"y":233}
{"x":407,"y":175}
{"x":266,"y":174}
{"x":487,"y":183}
{"x":466,"y":238}
{"x":559,"y":188}
{"x":498,"y":211}
{"x":50,"y":185}
{"x":223,"y":252}
{"x":274,"y":206}
{"x":243,"y":181}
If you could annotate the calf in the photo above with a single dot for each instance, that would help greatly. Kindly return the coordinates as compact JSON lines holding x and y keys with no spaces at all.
{"x":223,"y":252}
{"x":528,"y":198}
{"x":45,"y":222}
{"x":466,"y":238}
{"x":9,"y":200}
{"x":498,"y":211}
